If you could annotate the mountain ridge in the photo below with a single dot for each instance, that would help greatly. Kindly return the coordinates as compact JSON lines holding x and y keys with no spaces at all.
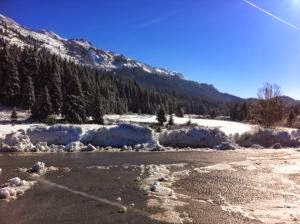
{"x":83,"y":52}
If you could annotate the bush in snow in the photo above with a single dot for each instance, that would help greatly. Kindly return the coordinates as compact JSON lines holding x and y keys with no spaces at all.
{"x":120,"y":135}
{"x":57,"y":134}
{"x":196,"y":138}
{"x":268,"y":138}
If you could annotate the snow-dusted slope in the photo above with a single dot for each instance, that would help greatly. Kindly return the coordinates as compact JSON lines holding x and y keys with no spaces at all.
{"x":78,"y":50}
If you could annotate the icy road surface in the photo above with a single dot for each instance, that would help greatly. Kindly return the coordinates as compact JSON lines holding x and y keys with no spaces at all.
{"x":246,"y":186}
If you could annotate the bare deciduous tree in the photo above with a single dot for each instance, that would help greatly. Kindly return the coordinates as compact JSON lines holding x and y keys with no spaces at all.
{"x":269,"y":108}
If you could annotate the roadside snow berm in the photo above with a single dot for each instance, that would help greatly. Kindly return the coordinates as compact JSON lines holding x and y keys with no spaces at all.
{"x":120,"y":135}
{"x":197,"y":137}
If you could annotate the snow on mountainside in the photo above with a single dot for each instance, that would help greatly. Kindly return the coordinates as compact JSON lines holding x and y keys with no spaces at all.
{"x":78,"y":50}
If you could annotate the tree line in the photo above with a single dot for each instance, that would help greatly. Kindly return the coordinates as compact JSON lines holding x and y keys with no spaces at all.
{"x":46,"y":84}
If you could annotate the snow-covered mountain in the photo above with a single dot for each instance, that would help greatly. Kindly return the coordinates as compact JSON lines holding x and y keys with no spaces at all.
{"x":78,"y":50}
{"x":83,"y":52}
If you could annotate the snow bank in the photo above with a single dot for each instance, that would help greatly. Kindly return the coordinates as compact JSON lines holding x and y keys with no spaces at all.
{"x":195,"y":138}
{"x":268,"y":138}
{"x":120,"y":135}
{"x":71,"y":138}
{"x":14,"y":142}
{"x":57,"y":134}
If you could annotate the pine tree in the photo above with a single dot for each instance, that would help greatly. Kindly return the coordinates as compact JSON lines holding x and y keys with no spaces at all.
{"x":73,"y":110}
{"x":161,"y":117}
{"x":42,"y":107}
{"x":171,"y":120}
{"x":179,"y":111}
{"x":292,"y":117}
{"x":28,"y":95}
{"x":97,"y":112}
{"x":14,"y":115}
{"x":10,"y":89}
{"x":213,"y":113}
{"x":55,"y":86}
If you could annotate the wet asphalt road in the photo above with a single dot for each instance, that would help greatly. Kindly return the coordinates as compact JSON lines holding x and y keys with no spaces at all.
{"x":240,"y":189}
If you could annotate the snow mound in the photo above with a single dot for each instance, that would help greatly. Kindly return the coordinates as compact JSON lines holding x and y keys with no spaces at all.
{"x":16,"y":141}
{"x":14,"y":188}
{"x":56,"y":135}
{"x":74,"y":147}
{"x":120,"y":135}
{"x":38,"y":167}
{"x":268,"y":138}
{"x":196,"y":137}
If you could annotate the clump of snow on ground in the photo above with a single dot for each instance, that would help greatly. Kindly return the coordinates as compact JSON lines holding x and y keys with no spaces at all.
{"x":268,"y":138}
{"x":38,"y":169}
{"x":57,"y":134}
{"x":16,"y":141}
{"x":120,"y":135}
{"x":14,"y":187}
{"x":73,"y":138}
{"x":159,"y":183}
{"x":197,"y":137}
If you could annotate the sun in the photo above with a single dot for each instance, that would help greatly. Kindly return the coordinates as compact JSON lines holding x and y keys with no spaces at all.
{"x":296,"y":2}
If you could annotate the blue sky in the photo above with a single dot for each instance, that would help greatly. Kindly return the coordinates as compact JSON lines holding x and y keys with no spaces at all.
{"x":227,"y":43}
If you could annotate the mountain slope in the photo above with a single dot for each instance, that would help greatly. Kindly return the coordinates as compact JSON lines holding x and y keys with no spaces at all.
{"x":83,"y":52}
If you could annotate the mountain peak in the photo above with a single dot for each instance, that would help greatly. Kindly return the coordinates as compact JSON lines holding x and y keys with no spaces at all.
{"x":83,"y":42}
{"x":79,"y":50}
{"x":51,"y":34}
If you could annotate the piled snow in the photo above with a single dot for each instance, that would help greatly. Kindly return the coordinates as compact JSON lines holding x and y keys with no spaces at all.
{"x":57,"y":134}
{"x":14,"y":188}
{"x":38,"y":169}
{"x":195,"y":138}
{"x":268,"y":138}
{"x":16,"y":141}
{"x":73,"y":138}
{"x":120,"y":135}
{"x":74,"y":146}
